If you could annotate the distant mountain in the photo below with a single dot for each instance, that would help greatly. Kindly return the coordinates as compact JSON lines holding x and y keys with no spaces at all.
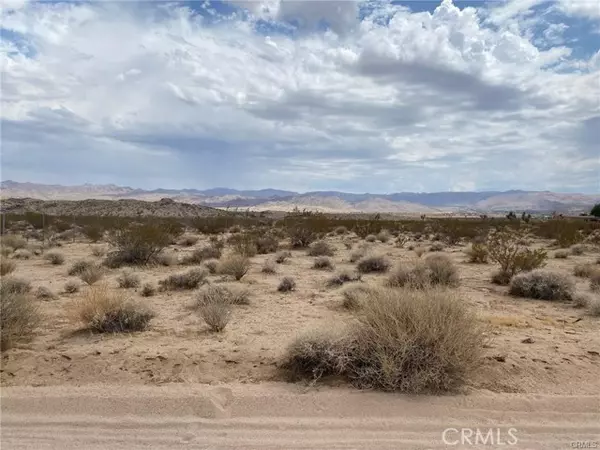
{"x":326,"y":201}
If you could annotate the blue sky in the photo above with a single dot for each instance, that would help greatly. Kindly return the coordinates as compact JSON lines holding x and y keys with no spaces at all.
{"x":303,"y":95}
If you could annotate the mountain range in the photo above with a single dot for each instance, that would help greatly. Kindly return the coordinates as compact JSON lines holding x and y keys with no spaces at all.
{"x":325,"y":201}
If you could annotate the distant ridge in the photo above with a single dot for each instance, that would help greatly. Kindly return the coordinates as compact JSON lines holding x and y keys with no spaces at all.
{"x":326,"y":201}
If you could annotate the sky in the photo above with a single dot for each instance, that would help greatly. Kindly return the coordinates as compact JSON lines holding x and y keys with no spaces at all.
{"x":358,"y":96}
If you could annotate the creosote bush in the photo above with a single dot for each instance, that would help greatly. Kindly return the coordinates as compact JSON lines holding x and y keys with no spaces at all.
{"x":478,"y":253}
{"x":301,"y":237}
{"x":107,"y":311}
{"x":267,"y":244}
{"x":139,"y":244}
{"x":435,"y":270}
{"x":55,"y":258}
{"x":543,"y":285}
{"x":373,"y":264}
{"x":184,"y":281}
{"x":78,"y":267}
{"x":7,"y":267}
{"x":128,"y":280}
{"x":513,"y":258}
{"x":235,"y":265}
{"x":19,"y":316}
{"x":321,"y":248}
{"x":403,"y":340}
{"x":244,"y":244}
{"x":323,"y":263}
{"x":287,"y":284}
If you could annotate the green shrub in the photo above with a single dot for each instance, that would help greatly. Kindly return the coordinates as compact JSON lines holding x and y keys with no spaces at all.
{"x":513,"y":258}
{"x":436,"y":247}
{"x":139,"y":244}
{"x":544,"y":285}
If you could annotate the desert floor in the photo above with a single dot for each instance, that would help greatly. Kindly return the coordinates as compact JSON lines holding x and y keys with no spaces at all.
{"x":542,"y":367}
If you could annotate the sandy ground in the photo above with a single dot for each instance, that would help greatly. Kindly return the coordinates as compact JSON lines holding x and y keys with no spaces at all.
{"x":178,"y":385}
{"x":277,"y":416}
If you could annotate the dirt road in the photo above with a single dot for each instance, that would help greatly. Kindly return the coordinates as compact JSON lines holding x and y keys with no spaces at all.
{"x":280,"y":416}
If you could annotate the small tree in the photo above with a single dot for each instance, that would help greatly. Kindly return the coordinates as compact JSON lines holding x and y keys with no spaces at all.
{"x":595,"y":210}
{"x":139,"y":244}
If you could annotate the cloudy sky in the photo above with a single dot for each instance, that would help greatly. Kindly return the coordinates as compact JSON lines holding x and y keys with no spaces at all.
{"x":377,"y":96}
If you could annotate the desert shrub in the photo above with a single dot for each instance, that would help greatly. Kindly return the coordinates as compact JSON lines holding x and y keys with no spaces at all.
{"x":541,"y":284}
{"x":342,"y":277}
{"x":401,"y":241}
{"x":419,"y":251}
{"x":128,"y":280}
{"x":593,"y":306}
{"x":282,"y":256}
{"x":92,"y":275}
{"x":98,"y":251}
{"x":19,"y":317}
{"x":22,"y":254}
{"x":234,"y":265}
{"x":478,"y":253}
{"x":93,"y":232}
{"x":348,"y":244}
{"x":287,"y":284}
{"x":43,"y":293}
{"x":301,"y":237}
{"x":235,"y":229}
{"x":323,"y":263}
{"x":407,"y":341}
{"x":188,"y":241}
{"x":13,"y":241}
{"x":501,"y":278}
{"x":354,"y":296}
{"x":595,"y":281}
{"x":71,"y":287}
{"x":214,"y":306}
{"x":182,"y":281}
{"x":55,"y":258}
{"x":373,"y":264}
{"x":513,"y":258}
{"x":442,"y":271}
{"x":267,"y":244}
{"x":139,"y":244}
{"x":583,"y":270}
{"x":412,"y":276}
{"x":269,"y":267}
{"x":561,"y":254}
{"x":212,"y":265}
{"x":359,"y":253}
{"x":5,"y":252}
{"x":436,"y":247}
{"x":581,"y":300}
{"x":578,"y":249}
{"x":202,"y":254}
{"x":370,"y":238}
{"x":10,"y":285}
{"x":383,"y":236}
{"x":7,"y":267}
{"x":321,"y":248}
{"x":78,"y":267}
{"x":166,"y":259}
{"x":244,"y":244}
{"x":340,"y":230}
{"x":148,"y":290}
{"x":107,"y":311}
{"x":435,"y":270}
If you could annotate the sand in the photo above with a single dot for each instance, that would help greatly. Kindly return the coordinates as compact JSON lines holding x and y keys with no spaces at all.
{"x":179,"y":385}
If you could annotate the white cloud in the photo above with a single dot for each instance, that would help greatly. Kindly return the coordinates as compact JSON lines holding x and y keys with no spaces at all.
{"x":155,"y":94}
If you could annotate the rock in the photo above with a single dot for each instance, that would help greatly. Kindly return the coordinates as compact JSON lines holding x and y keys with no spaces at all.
{"x":500,"y":358}
{"x":528,"y":340}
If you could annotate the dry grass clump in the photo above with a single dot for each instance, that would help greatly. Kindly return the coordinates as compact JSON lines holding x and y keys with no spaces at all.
{"x":71,"y":287}
{"x":543,"y":285}
{"x":202,"y":254}
{"x":373,"y":264}
{"x":267,"y":244}
{"x":403,"y":340}
{"x":128,"y":280}
{"x":419,"y":251}
{"x":435,"y":270}
{"x":107,"y":311}
{"x":342,"y":277}
{"x":323,"y":263}
{"x":78,"y":267}
{"x":7,"y":267}
{"x":166,"y":259}
{"x":321,"y":248}
{"x":55,"y":258}
{"x":99,"y":251}
{"x":92,"y":275}
{"x":22,"y":254}
{"x":359,"y":253}
{"x":43,"y":293}
{"x":581,"y":300}
{"x":287,"y":284}
{"x":354,"y":296}
{"x":593,"y":307}
{"x":578,"y":249}
{"x":595,"y":281}
{"x":282,"y":257}
{"x":561,"y":254}
{"x":13,"y":241}
{"x":384,"y":236}
{"x":371,"y":238}
{"x":188,"y":241}
{"x":269,"y":267}
{"x":184,"y":281}
{"x":436,"y":247}
{"x":10,"y":285}
{"x":212,"y":265}
{"x":148,"y":290}
{"x":478,"y":253}
{"x":235,"y":265}
{"x":19,"y":316}
{"x":340,"y":230}
{"x":214,"y":306}
{"x":583,"y":270}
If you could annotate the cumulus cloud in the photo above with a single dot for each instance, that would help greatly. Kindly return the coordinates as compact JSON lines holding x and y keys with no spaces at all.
{"x":307,"y":95}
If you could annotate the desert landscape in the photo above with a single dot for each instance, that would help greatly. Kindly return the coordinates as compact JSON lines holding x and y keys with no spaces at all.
{"x":295,"y":307}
